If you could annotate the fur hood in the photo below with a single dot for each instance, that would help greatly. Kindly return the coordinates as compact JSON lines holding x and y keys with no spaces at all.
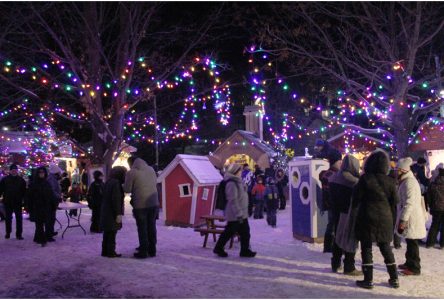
{"x":348,"y":175}
{"x":377,"y":163}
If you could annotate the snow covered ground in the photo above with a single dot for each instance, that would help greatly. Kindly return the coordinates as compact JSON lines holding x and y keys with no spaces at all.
{"x":284,"y":268}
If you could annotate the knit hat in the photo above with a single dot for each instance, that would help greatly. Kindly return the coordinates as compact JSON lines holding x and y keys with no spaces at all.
{"x":13,"y":167}
{"x":54,"y":169}
{"x":320,"y":143}
{"x":233,"y":168}
{"x":404,"y":164}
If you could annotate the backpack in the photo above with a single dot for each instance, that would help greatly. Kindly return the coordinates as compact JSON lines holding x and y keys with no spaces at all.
{"x":221,"y":201}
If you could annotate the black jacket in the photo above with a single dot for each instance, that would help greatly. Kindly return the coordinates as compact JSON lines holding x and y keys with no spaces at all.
{"x":340,"y":197}
{"x":112,"y":205}
{"x":435,"y":195}
{"x":376,"y":197}
{"x":40,"y":200}
{"x":13,"y":189}
{"x":95,"y":194}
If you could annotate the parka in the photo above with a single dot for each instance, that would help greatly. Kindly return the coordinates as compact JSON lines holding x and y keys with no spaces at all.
{"x":237,"y":198}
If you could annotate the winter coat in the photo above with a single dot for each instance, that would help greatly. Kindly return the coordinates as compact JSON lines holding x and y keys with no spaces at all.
{"x":375,"y":197}
{"x":258,"y":191}
{"x":65,"y":183}
{"x":281,"y":183}
{"x":324,"y":178}
{"x":412,"y":211}
{"x":13,"y":189}
{"x":75,"y":193}
{"x":95,"y":194}
{"x":141,"y":182}
{"x":112,"y":205}
{"x":55,"y":187}
{"x":271,"y":197}
{"x":40,"y":200}
{"x":237,"y":198}
{"x":341,"y":184}
{"x":435,"y":195}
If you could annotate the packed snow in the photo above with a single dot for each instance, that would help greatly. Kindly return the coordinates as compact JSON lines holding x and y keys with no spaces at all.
{"x":284,"y":267}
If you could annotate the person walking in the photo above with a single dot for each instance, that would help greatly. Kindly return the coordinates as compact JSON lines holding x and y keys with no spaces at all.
{"x":375,"y":197}
{"x":282,"y":185}
{"x":435,"y":198}
{"x":341,"y":188}
{"x":141,"y":182}
{"x":412,"y":219}
{"x":94,"y":197}
{"x":54,"y":181}
{"x":13,"y":190}
{"x":40,"y":201}
{"x":236,"y":213}
{"x":112,"y":210}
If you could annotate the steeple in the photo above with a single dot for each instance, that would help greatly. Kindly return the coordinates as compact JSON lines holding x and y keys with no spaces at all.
{"x":254,"y":120}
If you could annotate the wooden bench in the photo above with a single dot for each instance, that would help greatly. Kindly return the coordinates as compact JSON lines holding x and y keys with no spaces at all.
{"x":207,"y":231}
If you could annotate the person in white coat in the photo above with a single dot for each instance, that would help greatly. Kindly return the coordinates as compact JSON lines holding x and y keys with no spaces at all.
{"x":411,"y":222}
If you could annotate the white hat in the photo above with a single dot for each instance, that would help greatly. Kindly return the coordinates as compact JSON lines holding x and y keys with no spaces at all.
{"x":54,"y":169}
{"x":404,"y":164}
{"x":233,"y":168}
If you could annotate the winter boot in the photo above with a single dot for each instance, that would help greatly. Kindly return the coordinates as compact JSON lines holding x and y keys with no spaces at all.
{"x":335,"y":264}
{"x":393,"y":281}
{"x":367,"y":283}
{"x":247,"y":253}
{"x":220,"y":252}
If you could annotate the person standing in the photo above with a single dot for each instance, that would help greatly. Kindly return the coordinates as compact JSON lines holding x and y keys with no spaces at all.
{"x":375,"y":197}
{"x":95,"y":195}
{"x":341,"y":187}
{"x":335,"y":164}
{"x":435,"y":198}
{"x":419,"y":170}
{"x":258,"y":194}
{"x":141,"y":182}
{"x":271,"y":201}
{"x":411,"y":224}
{"x":112,"y":211}
{"x":54,"y":181}
{"x":282,"y":185}
{"x":40,"y":197}
{"x":249,"y":181}
{"x":236,"y":213}
{"x":65,"y":183}
{"x":13,"y":189}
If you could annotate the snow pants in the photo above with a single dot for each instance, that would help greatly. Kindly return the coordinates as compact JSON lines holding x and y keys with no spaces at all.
{"x":243,"y":229}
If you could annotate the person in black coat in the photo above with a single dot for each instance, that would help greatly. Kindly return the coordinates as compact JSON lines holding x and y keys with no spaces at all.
{"x":435,"y":198}
{"x":112,"y":210}
{"x":13,"y":189}
{"x":41,"y":203}
{"x":94,"y":197}
{"x":376,"y":197}
{"x":65,"y":183}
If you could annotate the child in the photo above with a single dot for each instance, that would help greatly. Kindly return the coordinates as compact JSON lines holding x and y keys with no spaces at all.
{"x":75,"y":193}
{"x":258,"y":192}
{"x":271,"y":201}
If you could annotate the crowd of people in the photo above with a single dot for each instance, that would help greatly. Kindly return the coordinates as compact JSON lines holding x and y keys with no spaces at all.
{"x":48,"y":187}
{"x":381,"y":204}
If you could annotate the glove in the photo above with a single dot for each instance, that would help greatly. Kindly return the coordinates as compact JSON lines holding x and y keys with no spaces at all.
{"x":240,"y":220}
{"x":402,"y":226}
{"x":119,"y":219}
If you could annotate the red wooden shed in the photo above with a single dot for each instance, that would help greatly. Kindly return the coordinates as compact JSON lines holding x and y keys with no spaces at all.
{"x":188,"y":189}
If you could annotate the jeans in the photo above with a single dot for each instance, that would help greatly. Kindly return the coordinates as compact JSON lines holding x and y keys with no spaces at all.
{"x":259,"y":209}
{"x":437,"y":225}
{"x":243,"y":229}
{"x":413,"y":262}
{"x":109,"y":242}
{"x":367,"y":256}
{"x":146,"y":229}
{"x":17,"y":211}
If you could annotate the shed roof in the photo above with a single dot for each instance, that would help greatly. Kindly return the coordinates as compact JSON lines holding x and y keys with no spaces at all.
{"x":199,"y":168}
{"x":429,"y":137}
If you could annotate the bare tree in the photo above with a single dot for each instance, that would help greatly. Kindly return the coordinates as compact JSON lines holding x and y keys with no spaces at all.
{"x":385,"y":56}
{"x":99,"y":42}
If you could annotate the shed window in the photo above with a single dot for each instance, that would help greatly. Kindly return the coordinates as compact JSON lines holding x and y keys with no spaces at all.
{"x":185,"y":190}
{"x":205,"y":194}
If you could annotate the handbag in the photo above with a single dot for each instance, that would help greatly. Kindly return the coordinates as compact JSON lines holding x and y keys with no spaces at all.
{"x":345,"y":232}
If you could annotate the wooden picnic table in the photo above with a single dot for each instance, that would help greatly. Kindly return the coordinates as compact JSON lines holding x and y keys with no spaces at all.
{"x":211,"y":227}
